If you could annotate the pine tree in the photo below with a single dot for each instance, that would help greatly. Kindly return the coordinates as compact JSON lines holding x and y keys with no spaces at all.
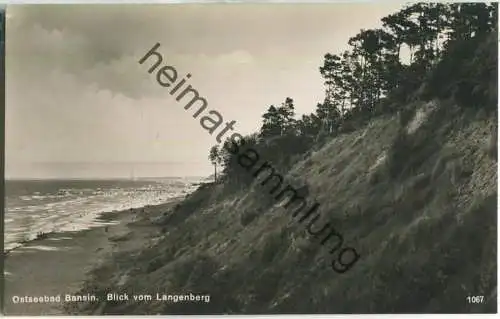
{"x":215,"y":157}
{"x":272,"y":122}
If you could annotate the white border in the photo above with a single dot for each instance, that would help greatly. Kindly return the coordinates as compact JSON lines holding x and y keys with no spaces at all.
{"x":11,"y":2}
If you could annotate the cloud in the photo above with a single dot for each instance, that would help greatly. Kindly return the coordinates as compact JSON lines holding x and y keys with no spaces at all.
{"x":235,"y":57}
{"x":107,"y":60}
{"x":102,"y":43}
{"x":76,"y":92}
{"x":35,"y":52}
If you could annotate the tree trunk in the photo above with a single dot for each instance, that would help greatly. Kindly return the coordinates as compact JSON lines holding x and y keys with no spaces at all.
{"x":215,"y":173}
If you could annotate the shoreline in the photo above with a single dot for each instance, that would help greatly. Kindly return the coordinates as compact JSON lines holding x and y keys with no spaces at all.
{"x":100,"y":218}
{"x":58,"y":264}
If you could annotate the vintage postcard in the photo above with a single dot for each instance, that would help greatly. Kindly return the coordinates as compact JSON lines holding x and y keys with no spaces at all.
{"x":237,"y":158}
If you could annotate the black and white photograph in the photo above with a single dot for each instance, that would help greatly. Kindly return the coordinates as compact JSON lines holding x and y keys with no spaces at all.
{"x":250,"y":158}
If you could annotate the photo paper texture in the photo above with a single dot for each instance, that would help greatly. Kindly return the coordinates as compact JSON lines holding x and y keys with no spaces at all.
{"x":334,"y":158}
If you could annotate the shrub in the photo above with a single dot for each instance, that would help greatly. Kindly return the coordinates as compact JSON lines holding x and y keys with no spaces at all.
{"x":472,"y":82}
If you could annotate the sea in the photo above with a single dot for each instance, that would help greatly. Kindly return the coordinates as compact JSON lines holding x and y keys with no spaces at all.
{"x":34,"y":206}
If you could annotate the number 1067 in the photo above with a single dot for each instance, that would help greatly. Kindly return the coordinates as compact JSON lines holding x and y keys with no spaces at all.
{"x":475,"y":299}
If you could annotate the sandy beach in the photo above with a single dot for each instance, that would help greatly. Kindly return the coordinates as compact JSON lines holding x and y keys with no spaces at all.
{"x":55,"y":267}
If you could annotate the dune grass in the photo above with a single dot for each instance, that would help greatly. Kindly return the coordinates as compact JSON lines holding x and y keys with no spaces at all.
{"x":420,"y":205}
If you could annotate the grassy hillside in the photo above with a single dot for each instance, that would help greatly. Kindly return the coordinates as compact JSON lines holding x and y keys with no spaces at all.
{"x":414,"y":192}
{"x":418,"y":201}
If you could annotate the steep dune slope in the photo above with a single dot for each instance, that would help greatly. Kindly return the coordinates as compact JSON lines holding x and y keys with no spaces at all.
{"x":415,"y":194}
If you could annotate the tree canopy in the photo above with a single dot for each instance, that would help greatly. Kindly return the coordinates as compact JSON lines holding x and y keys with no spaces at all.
{"x":361,"y":81}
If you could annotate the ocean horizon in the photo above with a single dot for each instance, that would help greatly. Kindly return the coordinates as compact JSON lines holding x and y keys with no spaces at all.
{"x":104,"y":170}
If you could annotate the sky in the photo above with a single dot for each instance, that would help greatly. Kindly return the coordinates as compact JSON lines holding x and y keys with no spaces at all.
{"x":78,"y":103}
